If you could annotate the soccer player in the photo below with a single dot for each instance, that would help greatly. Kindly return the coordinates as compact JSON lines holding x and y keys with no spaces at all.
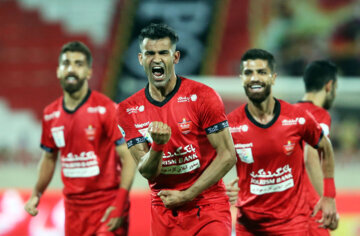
{"x":320,"y":79}
{"x":268,"y":135}
{"x":81,"y":127}
{"x":177,"y":131}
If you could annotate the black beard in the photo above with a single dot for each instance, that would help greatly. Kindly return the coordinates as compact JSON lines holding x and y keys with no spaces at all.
{"x":258,"y":97}
{"x":72,"y":88}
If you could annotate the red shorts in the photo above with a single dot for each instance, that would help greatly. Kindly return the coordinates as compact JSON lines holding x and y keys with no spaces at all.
{"x":241,"y":230}
{"x":214,"y":219}
{"x":314,"y":229}
{"x":86,"y":221}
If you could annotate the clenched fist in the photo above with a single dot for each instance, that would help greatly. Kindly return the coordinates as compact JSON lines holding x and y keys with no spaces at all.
{"x":160,"y":132}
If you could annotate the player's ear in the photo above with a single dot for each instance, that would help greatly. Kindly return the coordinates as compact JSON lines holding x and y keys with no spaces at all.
{"x":176,"y":57}
{"x":273,"y":78}
{"x":89,"y":74}
{"x":140,"y":57}
{"x":328,"y":86}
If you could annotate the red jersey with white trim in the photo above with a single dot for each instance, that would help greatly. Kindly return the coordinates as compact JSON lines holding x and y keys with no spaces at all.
{"x":271,"y":167}
{"x":86,"y":139}
{"x":321,"y":115}
{"x":192,"y":110}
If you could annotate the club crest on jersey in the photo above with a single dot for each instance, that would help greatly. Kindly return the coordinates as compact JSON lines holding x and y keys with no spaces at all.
{"x":185,"y":126}
{"x":289,"y":148}
{"x":90,"y":132}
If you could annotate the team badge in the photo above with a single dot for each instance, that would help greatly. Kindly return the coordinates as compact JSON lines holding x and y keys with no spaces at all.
{"x":90,"y":132}
{"x":289,"y":148}
{"x":185,"y":126}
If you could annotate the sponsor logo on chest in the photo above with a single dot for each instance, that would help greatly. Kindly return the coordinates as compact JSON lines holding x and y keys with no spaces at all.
{"x":55,"y":114}
{"x":192,"y":98}
{"x":135,"y":110}
{"x":239,"y":129}
{"x":297,"y":120}
{"x":99,"y":109}
{"x":244,"y":152}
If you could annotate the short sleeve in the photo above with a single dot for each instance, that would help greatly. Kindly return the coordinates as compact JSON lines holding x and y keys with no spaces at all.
{"x":110,"y":123}
{"x":126,"y":125}
{"x":311,"y":130}
{"x":212,"y":116}
{"x":47,"y":142}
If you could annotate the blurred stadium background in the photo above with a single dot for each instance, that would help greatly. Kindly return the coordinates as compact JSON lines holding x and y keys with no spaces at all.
{"x":213,"y":36}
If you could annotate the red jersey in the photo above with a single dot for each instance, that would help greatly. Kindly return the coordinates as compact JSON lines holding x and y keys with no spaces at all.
{"x":86,"y":139}
{"x":321,"y":115}
{"x":271,"y":167}
{"x":192,"y":110}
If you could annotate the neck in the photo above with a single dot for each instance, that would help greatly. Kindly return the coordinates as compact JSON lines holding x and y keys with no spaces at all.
{"x":72,"y":100}
{"x":159,"y":94}
{"x":262,"y":112}
{"x":317,"y":98}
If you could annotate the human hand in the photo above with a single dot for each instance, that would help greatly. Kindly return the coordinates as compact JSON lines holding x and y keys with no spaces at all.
{"x":31,"y":205}
{"x":115,"y":221}
{"x":159,"y":132}
{"x":328,"y":207}
{"x":173,"y":198}
{"x":232,"y":190}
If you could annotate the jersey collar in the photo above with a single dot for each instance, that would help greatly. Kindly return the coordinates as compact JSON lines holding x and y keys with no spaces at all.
{"x":274,"y":119}
{"x":78,"y":106}
{"x":167,"y":98}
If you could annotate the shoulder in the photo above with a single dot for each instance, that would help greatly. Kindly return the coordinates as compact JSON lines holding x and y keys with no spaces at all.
{"x":236,"y":114}
{"x":53,"y":109}
{"x":134,"y":103}
{"x":100,"y":98}
{"x":287,"y":109}
{"x":196,"y":86}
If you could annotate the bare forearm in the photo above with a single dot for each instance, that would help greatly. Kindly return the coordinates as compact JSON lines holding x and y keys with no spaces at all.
{"x":328,"y":163}
{"x":150,"y":164}
{"x":313,"y":168}
{"x":128,"y":167}
{"x":213,"y":173}
{"x":45,"y":173}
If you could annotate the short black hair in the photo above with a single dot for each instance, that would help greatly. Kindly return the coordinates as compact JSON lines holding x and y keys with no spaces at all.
{"x":318,"y":73}
{"x":256,"y":53}
{"x":158,"y":31}
{"x":76,"y":46}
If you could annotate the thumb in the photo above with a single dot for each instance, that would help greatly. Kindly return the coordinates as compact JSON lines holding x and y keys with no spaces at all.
{"x":234,"y":181}
{"x":316,"y":209}
{"x":106,"y":215}
{"x":163,"y":193}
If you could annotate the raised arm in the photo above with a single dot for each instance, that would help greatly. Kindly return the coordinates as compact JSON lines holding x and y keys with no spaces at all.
{"x":150,"y":161}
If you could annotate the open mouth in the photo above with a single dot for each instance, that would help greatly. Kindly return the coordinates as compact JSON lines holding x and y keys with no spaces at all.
{"x":158,"y":72}
{"x":71,"y":79}
{"x":256,"y":87}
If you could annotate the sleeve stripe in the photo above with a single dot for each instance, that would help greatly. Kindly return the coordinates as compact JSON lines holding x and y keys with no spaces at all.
{"x":217,"y":127}
{"x":46,"y":148}
{"x":135,"y":141}
{"x":321,"y":135}
{"x":119,"y":141}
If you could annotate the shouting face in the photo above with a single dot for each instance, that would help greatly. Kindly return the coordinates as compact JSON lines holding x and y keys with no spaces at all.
{"x":158,"y":57}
